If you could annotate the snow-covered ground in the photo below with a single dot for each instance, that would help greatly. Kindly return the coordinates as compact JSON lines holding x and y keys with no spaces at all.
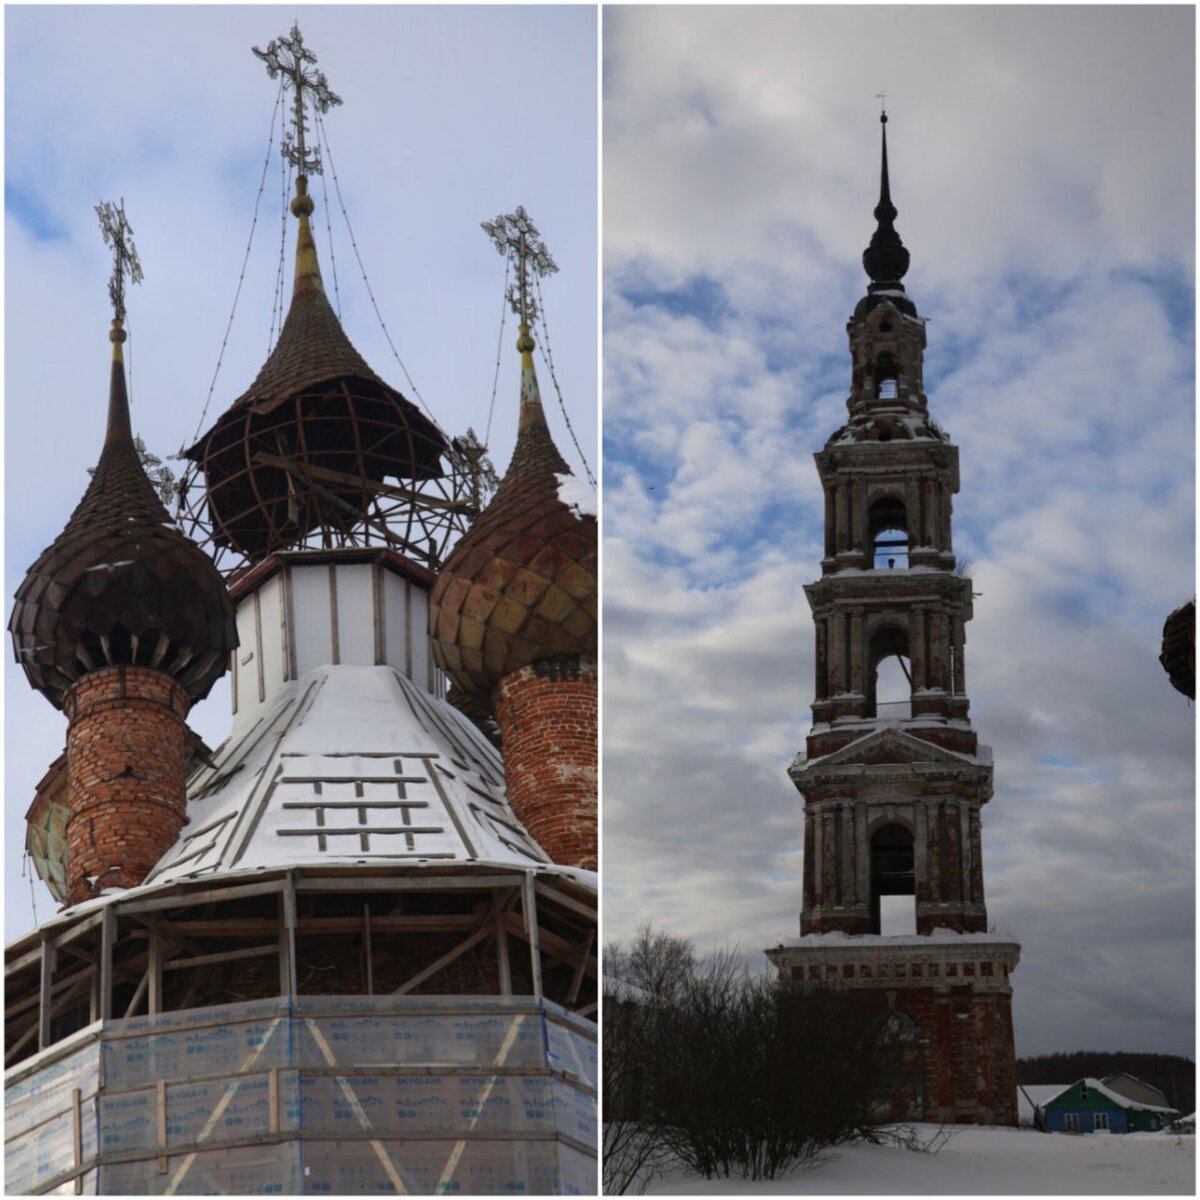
{"x":982,"y":1160}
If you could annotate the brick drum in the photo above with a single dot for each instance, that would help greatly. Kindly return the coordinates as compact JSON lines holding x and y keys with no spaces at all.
{"x":547,"y":718}
{"x":125,"y":754}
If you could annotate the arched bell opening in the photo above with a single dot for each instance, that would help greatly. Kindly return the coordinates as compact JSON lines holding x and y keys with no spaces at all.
{"x":893,"y":881}
{"x":887,"y":376}
{"x":889,"y":674}
{"x":887,"y":533}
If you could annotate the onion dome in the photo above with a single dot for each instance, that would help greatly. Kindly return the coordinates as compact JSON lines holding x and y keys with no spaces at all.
{"x":1178,"y":655}
{"x":121,"y":585}
{"x":308,"y":445}
{"x":885,"y":260}
{"x":520,"y":585}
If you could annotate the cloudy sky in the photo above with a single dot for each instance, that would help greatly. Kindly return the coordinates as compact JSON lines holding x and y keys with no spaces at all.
{"x":1042,"y":164}
{"x":450,"y":116}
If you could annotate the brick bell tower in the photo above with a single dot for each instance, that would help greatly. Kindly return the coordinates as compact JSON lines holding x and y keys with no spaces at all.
{"x":894,"y":779}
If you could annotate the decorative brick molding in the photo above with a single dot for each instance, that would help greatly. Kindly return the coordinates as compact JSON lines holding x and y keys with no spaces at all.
{"x":126,"y":744}
{"x":547,"y":716}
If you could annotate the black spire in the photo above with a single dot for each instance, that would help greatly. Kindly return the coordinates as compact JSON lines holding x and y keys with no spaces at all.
{"x":885,"y":259}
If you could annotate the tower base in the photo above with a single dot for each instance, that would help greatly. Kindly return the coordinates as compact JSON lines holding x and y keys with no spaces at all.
{"x":950,"y":993}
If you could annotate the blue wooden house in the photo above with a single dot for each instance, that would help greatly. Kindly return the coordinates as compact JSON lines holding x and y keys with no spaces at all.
{"x":1095,"y":1106}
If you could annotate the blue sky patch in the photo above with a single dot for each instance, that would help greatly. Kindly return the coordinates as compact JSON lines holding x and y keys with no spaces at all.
{"x":32,"y":214}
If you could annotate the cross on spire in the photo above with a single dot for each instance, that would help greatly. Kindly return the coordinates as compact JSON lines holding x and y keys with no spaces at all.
{"x":516,"y":237}
{"x":289,"y":57}
{"x":118,"y":234}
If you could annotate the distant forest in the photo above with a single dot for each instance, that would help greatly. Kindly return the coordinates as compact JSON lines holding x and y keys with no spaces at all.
{"x":1174,"y":1076}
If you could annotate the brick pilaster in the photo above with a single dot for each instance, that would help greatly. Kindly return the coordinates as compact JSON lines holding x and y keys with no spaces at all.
{"x":547,"y":718}
{"x":126,"y":745}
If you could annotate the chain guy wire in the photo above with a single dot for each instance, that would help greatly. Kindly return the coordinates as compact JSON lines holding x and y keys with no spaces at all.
{"x":285,"y":180}
{"x":262,"y":183}
{"x":487,"y":434}
{"x":549,"y":360}
{"x":337,"y":187}
{"x":337,"y":295}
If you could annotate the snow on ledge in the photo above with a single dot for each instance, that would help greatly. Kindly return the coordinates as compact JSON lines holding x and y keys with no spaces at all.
{"x":940,"y":937}
{"x":577,"y":494}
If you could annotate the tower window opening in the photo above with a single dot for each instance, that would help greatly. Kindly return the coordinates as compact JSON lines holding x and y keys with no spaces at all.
{"x":887,"y":389}
{"x":889,"y":680}
{"x":893,"y":881}
{"x":887,"y":532}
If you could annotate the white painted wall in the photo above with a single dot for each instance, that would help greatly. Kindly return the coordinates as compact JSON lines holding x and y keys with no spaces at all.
{"x":287,"y":623}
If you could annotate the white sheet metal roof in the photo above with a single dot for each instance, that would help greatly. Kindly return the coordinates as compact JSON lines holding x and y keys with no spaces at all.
{"x":351,"y":764}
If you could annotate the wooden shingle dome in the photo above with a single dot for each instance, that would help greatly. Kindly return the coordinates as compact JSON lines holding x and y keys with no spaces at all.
{"x":520,"y":585}
{"x":121,"y":585}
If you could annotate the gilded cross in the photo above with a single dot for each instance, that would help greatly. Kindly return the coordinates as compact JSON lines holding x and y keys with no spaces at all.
{"x":289,"y":57}
{"x":118,"y":234}
{"x":517,"y":237}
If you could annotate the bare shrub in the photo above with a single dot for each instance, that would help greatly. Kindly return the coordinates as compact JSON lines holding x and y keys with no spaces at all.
{"x":733,"y":1074}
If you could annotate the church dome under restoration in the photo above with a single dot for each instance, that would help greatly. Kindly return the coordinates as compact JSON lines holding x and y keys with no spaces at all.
{"x":308,"y":445}
{"x":121,"y":585}
{"x":520,"y":585}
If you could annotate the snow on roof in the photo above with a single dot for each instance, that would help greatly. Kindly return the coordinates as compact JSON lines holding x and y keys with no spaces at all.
{"x":1109,"y":1094}
{"x":577,"y":494}
{"x":352,"y":764}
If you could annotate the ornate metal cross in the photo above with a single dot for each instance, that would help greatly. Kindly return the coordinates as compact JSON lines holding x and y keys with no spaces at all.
{"x":517,"y":237}
{"x":289,"y":57}
{"x":118,"y":234}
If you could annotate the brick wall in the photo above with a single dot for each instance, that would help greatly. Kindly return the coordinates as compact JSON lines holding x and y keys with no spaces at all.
{"x":547,"y":718}
{"x":125,"y":791}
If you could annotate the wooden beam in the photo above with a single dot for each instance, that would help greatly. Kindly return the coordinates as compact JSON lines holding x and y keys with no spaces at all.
{"x":49,"y":961}
{"x":154,"y":972}
{"x":139,"y":992}
{"x":21,"y":1043}
{"x":529,"y":912}
{"x":247,"y":927}
{"x":555,"y":896}
{"x":160,"y":1112}
{"x":407,"y":883}
{"x":577,"y":980}
{"x":77,"y":1136}
{"x":28,"y":959}
{"x":287,"y":937}
{"x":445,"y":960}
{"x":500,"y":931}
{"x":367,"y":948}
{"x":108,"y":936}
{"x":208,"y":896}
{"x":179,"y":964}
{"x":567,"y":951}
{"x":358,"y":481}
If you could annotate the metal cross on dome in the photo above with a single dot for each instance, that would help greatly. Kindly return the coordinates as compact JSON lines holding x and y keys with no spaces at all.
{"x":289,"y":57}
{"x":517,"y":237}
{"x":118,"y":234}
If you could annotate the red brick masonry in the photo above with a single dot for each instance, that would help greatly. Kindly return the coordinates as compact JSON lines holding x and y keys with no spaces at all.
{"x":547,"y":717}
{"x":125,"y":753}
